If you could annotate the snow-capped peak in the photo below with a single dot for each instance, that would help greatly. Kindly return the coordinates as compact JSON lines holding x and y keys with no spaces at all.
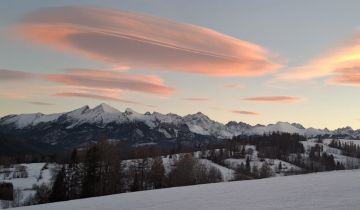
{"x":77,"y":112}
{"x":200,"y":115}
{"x":202,"y":124}
{"x":277,"y":127}
{"x":198,"y":123}
{"x":298,"y":125}
{"x":25,"y":120}
{"x":105,"y":108}
{"x":129,"y":111}
{"x":99,"y":115}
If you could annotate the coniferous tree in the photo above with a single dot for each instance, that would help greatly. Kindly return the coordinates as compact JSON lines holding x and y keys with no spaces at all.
{"x":42,"y":194}
{"x":157,"y":173}
{"x":74,"y":173}
{"x":265,"y":170}
{"x":255,"y":172}
{"x":59,"y":188}
{"x":183,"y":172}
{"x":247,"y":165}
{"x":135,"y":184}
{"x":91,"y":173}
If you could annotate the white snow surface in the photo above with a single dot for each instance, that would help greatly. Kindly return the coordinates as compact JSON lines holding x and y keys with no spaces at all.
{"x":328,"y":190}
{"x":347,"y":141}
{"x":349,"y":162}
{"x":285,"y":127}
{"x":226,"y":173}
{"x":37,"y":174}
{"x":24,"y":120}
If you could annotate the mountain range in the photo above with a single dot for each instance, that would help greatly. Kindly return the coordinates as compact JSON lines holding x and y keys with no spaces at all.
{"x":84,"y":125}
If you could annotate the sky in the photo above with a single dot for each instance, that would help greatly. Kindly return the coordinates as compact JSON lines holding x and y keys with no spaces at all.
{"x":257,"y":62}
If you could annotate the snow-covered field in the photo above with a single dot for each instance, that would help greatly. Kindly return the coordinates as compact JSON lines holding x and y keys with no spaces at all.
{"x":328,"y":190}
{"x":227,"y":173}
{"x":37,"y":173}
{"x":349,"y":162}
{"x":348,"y":141}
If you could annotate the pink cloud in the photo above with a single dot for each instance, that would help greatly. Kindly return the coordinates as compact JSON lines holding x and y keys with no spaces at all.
{"x":232,"y":86}
{"x":13,"y":95}
{"x":275,"y":99}
{"x":196,"y":99}
{"x":141,"y":41}
{"x":151,"y":106}
{"x":40,"y":103}
{"x":341,"y":65}
{"x":346,"y":76}
{"x":94,"y":96}
{"x":111,"y":80}
{"x":101,"y":97}
{"x":84,"y":83}
{"x":244,"y":112}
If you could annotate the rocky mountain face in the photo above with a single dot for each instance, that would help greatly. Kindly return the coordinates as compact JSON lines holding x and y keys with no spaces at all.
{"x":85,"y":125}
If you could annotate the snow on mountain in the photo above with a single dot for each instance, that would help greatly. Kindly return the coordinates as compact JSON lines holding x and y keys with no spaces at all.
{"x":198,"y":123}
{"x":238,"y":128}
{"x":347,"y":131}
{"x":316,"y":132}
{"x":167,"y":118}
{"x":134,"y":116}
{"x":100,"y":115}
{"x":106,"y":108}
{"x":285,"y":127}
{"x":25,"y":120}
{"x":202,"y":124}
{"x":278,"y":127}
{"x":298,"y":125}
{"x":77,"y":112}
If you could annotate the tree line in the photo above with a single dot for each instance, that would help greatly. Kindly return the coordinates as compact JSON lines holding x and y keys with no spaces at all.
{"x":348,"y":148}
{"x":104,"y":168}
{"x":100,"y":171}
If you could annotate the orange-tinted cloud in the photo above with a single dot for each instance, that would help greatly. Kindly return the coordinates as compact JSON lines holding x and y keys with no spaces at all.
{"x":84,"y":83}
{"x":274,"y":99}
{"x":232,"y":86}
{"x":94,"y":96}
{"x":346,"y":76}
{"x":40,"y":103}
{"x":16,"y":84}
{"x":151,"y":106}
{"x":102,"y":96}
{"x":341,"y":65}
{"x":196,"y":99}
{"x":141,"y":41}
{"x":112,"y":80}
{"x":244,"y":112}
{"x":13,"y":95}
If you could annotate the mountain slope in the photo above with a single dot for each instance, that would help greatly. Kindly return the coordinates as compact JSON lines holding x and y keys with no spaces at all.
{"x":84,"y":125}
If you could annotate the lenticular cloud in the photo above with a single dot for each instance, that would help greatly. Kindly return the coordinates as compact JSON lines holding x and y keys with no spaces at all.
{"x":111,"y":80}
{"x":142,"y":41}
{"x":341,"y":65}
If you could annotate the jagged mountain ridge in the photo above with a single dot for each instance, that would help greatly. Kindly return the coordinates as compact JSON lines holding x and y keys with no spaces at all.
{"x":106,"y":121}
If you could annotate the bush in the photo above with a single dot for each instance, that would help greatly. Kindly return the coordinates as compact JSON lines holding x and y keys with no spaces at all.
{"x":190,"y":171}
{"x":6,"y":191}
